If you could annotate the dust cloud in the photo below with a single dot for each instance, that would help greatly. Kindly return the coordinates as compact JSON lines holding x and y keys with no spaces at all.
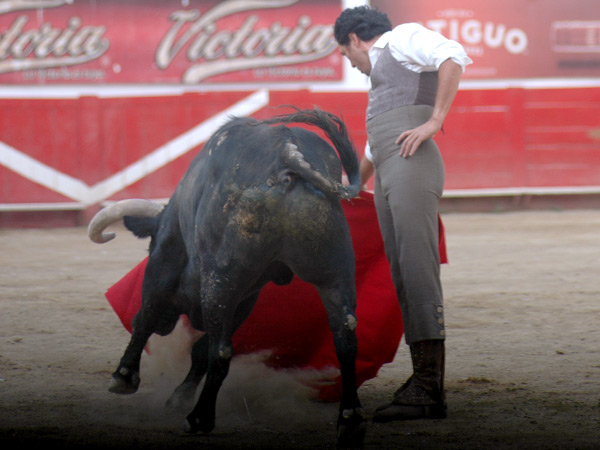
{"x":252,"y":393}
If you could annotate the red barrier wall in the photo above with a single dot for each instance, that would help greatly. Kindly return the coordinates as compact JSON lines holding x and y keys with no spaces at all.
{"x":523,"y":138}
{"x":493,"y":139}
{"x":103,"y":101}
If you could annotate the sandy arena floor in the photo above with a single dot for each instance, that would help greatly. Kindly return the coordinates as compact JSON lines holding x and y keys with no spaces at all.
{"x":523,"y":371}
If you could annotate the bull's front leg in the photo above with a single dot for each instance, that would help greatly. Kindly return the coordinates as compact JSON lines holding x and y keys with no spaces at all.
{"x":156,"y":293}
{"x":126,"y":379}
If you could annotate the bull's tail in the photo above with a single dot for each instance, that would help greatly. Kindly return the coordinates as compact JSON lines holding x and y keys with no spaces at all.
{"x":337,"y":133}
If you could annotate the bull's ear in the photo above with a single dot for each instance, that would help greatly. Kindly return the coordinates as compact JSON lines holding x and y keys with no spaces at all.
{"x":142,"y":227}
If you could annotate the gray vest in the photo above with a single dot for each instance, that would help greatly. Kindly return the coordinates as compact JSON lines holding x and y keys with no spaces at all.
{"x":393,"y":85}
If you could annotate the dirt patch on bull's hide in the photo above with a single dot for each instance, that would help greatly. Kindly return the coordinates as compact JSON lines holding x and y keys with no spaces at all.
{"x":522,"y":296}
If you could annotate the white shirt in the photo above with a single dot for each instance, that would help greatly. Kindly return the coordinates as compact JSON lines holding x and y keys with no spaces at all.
{"x":418,"y":49}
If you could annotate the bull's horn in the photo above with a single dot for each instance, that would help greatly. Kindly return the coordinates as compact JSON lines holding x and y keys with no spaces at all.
{"x":115,"y":212}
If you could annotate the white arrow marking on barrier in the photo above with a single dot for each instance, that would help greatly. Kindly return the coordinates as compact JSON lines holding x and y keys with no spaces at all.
{"x":76,"y":189}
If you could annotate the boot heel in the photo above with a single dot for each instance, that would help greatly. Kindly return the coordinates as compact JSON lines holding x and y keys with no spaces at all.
{"x":436,"y":411}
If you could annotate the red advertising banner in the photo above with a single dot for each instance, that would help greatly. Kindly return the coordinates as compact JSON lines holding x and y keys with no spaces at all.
{"x":168,"y":41}
{"x":513,"y":38}
{"x":75,"y":131}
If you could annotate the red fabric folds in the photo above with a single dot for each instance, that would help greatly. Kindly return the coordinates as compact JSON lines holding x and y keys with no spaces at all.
{"x":290,"y":321}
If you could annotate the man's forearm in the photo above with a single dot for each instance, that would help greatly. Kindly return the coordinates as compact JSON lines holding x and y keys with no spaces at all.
{"x":366,"y":171}
{"x":448,"y":79}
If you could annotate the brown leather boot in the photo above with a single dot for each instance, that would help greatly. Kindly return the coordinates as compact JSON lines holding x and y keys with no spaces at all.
{"x":422,"y":396}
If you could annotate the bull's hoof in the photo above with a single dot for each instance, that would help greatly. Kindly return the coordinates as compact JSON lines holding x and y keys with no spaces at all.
{"x":194,"y":425}
{"x":124,"y":381}
{"x":352,"y":428}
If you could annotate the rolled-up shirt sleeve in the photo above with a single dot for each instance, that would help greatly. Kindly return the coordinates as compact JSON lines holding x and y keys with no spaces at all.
{"x":368,"y":153}
{"x":424,"y":50}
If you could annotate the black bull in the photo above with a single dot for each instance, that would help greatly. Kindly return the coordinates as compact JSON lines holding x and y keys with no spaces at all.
{"x":260,"y":203}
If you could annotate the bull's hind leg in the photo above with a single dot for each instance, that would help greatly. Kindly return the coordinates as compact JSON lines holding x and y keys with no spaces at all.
{"x":185,"y":393}
{"x":339,"y":301}
{"x":223,"y":316}
{"x":220,"y":352}
{"x":331,"y":269}
{"x":202,"y":418}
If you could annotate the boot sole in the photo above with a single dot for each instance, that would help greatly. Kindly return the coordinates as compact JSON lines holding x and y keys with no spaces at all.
{"x":394,"y":412}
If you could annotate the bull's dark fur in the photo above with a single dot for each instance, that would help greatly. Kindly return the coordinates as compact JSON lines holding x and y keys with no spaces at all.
{"x":244,"y":214}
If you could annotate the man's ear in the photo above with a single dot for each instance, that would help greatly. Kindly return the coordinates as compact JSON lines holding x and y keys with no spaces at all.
{"x":354,"y":39}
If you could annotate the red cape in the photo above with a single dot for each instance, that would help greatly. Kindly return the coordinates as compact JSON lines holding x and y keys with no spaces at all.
{"x":290,"y":321}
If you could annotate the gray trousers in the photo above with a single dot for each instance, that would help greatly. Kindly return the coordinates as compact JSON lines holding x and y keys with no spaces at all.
{"x":407,"y":194}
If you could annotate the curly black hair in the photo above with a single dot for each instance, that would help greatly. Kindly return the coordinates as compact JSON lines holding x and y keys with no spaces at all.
{"x":367,"y":23}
